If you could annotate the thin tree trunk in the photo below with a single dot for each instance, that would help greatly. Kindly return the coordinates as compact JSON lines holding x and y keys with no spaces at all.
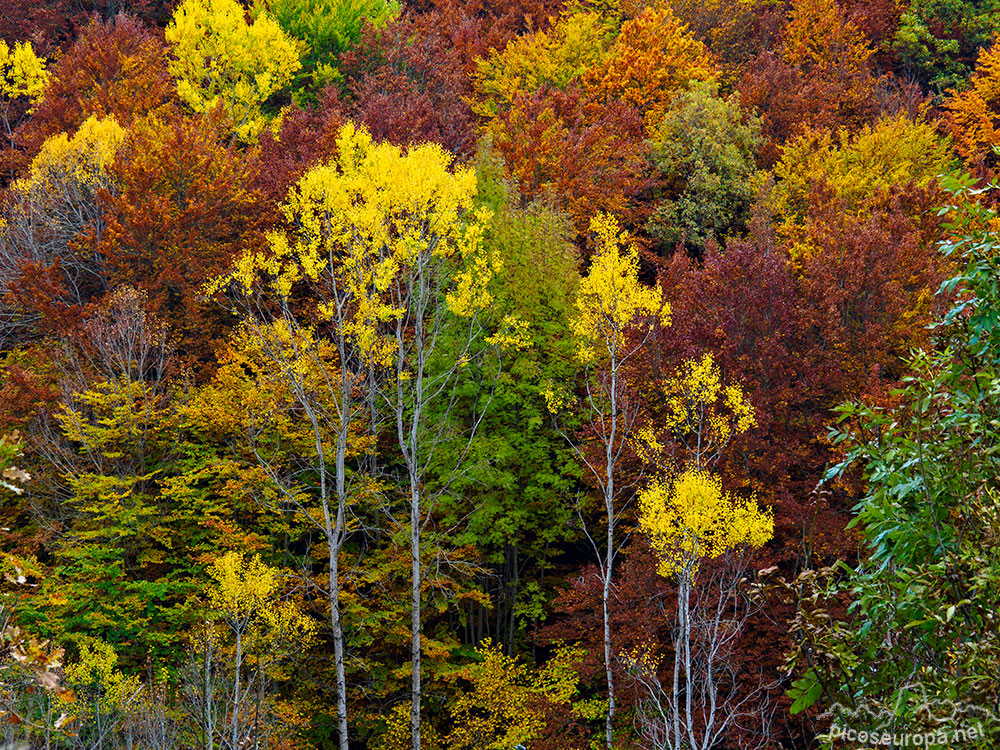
{"x":415,"y":630}
{"x":609,"y":507}
{"x":236,"y":691}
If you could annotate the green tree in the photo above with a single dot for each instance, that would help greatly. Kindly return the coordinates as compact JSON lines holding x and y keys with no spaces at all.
{"x":705,"y":149}
{"x":515,"y":493}
{"x":329,"y":28}
{"x":921,"y":636}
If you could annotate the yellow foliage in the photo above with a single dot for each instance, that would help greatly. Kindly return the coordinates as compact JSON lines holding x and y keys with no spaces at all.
{"x":397,"y":734}
{"x":96,"y":672}
{"x":975,"y":113}
{"x":855,"y":166}
{"x":654,"y":57}
{"x":611,"y":299}
{"x":692,"y":519}
{"x":243,"y":587}
{"x":219,"y":57}
{"x":361,"y":222}
{"x":246,"y":594}
{"x":81,"y":160}
{"x":497,"y":712}
{"x":697,"y":401}
{"x":21,"y":73}
{"x":557,"y":57}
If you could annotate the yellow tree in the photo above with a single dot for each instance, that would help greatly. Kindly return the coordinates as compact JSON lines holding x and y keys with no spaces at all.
{"x":246,"y":597}
{"x":427,"y":276}
{"x":387,"y":252}
{"x":220,"y":58}
{"x":506,"y":702}
{"x":22,"y":76}
{"x":306,"y":307}
{"x":616,"y":315}
{"x":688,"y":519}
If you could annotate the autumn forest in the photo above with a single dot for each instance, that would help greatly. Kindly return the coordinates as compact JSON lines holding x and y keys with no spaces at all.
{"x":499,"y":374}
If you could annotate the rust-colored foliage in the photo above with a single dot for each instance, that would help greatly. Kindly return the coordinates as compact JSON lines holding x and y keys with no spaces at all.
{"x":116,"y":68}
{"x":306,"y":137}
{"x":802,"y":338}
{"x":186,"y":203}
{"x":410,"y":80}
{"x":584,"y":156}
{"x":820,"y":77}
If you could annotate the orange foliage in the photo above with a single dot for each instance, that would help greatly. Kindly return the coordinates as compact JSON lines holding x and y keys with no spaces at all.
{"x":653,"y":57}
{"x":974,"y":115}
{"x":114,"y":69}
{"x":822,"y":77}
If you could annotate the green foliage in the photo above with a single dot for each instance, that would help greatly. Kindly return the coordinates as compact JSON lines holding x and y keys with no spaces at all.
{"x":11,"y":477}
{"x":705,"y":149}
{"x":921,"y":636}
{"x":937,"y":39}
{"x":329,"y":28}
{"x":521,"y":469}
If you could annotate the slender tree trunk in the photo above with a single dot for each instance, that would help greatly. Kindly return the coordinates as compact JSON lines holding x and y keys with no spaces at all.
{"x":338,"y":648}
{"x":333,"y":546}
{"x":209,"y":692}
{"x":236,"y":691}
{"x":415,"y":630}
{"x":609,"y":507}
{"x":676,"y":705}
{"x":609,"y":722}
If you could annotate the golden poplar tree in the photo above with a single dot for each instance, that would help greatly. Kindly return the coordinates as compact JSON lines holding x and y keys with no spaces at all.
{"x":218,"y":57}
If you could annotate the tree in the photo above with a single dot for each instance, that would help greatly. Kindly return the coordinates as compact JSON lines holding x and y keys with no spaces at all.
{"x":516,"y":494}
{"x":652,"y":59}
{"x":821,"y":76}
{"x":975,"y":112}
{"x":53,"y":224}
{"x":267,"y":632}
{"x":399,"y":248}
{"x":116,"y":68}
{"x":705,"y":149}
{"x":937,"y":40}
{"x":427,"y":273}
{"x":690,"y":520}
{"x":185,"y":204}
{"x":321,"y":350}
{"x":103,"y":696}
{"x":329,"y":28}
{"x":220,"y":59}
{"x":508,"y":702}
{"x":555,"y":59}
{"x":616,"y":316}
{"x":855,"y":167}
{"x":913,"y":651}
{"x":584,"y":156}
{"x":22,"y":77}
